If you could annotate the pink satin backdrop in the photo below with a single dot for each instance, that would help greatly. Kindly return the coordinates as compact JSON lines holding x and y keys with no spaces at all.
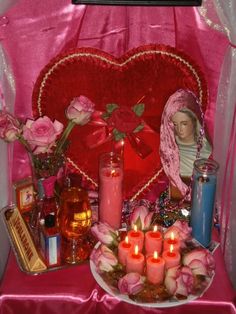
{"x":36,"y":32}
{"x":74,"y":290}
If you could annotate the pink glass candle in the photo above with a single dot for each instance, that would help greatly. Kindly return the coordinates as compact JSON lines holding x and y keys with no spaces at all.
{"x":153,"y":241}
{"x":155,"y":268}
{"x":124,"y":248}
{"x":135,"y":262}
{"x":171,"y":257}
{"x":171,"y":241}
{"x":110,"y":189}
{"x":136,"y":237}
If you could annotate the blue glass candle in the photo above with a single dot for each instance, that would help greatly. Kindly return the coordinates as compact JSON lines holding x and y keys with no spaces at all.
{"x":203,"y":199}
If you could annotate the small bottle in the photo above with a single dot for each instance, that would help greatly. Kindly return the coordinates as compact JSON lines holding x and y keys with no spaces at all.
{"x":50,"y":241}
{"x":49,"y":204}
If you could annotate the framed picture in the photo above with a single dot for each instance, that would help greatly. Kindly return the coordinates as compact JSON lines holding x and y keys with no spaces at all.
{"x":24,"y":194}
{"x":142,"y":2}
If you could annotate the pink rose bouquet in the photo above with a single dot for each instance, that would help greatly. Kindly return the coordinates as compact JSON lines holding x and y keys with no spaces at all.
{"x":141,"y":217}
{"x":104,"y":259}
{"x":44,"y":136}
{"x":131,"y":283}
{"x":105,"y":234}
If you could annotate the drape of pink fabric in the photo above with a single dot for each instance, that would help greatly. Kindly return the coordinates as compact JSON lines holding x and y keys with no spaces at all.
{"x":37,"y":32}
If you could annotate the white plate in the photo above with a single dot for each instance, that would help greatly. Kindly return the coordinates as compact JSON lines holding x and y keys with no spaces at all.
{"x":115,"y":292}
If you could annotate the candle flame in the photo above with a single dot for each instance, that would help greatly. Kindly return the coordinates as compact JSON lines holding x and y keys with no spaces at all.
{"x":136,"y":249}
{"x":172,"y":236}
{"x":113,"y":172}
{"x":155,"y":255}
{"x":126,"y":239}
{"x":171,"y":248}
{"x":135,"y":228}
{"x":155,"y":228}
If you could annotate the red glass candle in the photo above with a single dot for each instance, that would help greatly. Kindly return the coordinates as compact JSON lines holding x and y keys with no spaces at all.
{"x":136,"y":237}
{"x":171,"y":257}
{"x":153,"y":241}
{"x":155,"y":268}
{"x":171,"y":241}
{"x":135,"y":262}
{"x":124,"y":248}
{"x":110,"y":189}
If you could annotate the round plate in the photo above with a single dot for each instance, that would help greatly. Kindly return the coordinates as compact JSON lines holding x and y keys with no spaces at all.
{"x":122,"y":297}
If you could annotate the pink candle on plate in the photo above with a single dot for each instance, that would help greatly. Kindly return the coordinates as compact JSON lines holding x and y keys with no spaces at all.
{"x":155,"y":268}
{"x":135,"y":261}
{"x":110,"y":189}
{"x":171,"y":257}
{"x":153,"y":241}
{"x":171,"y":241}
{"x":124,"y":248}
{"x":136,"y":237}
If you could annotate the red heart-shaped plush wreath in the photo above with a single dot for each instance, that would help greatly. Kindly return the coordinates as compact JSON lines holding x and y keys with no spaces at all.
{"x":138,"y":84}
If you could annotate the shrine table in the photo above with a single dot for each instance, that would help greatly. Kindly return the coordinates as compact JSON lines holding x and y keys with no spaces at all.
{"x":74,"y":290}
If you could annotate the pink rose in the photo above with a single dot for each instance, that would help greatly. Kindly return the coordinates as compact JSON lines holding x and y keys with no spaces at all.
{"x":41,"y":134}
{"x":131,"y":283}
{"x":141,"y":217}
{"x":9,"y":127}
{"x":104,"y":259}
{"x":179,"y":280}
{"x":200,"y":261}
{"x":180,"y":230}
{"x":124,"y":119}
{"x":105,"y":233}
{"x":80,"y":110}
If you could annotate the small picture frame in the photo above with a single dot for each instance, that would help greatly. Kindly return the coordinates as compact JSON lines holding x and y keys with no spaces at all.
{"x":24,"y":194}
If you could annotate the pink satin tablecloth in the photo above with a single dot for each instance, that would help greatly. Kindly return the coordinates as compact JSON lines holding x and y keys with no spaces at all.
{"x":74,"y":290}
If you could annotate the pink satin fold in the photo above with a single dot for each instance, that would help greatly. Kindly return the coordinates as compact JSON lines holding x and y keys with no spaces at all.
{"x":74,"y":290}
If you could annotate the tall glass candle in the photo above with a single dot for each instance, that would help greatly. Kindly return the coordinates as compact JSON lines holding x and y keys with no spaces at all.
{"x":110,"y":189}
{"x":203,"y":199}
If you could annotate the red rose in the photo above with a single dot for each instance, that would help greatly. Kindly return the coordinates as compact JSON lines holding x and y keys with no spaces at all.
{"x":124,"y":120}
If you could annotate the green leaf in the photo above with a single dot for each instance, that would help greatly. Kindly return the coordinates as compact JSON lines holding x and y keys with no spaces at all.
{"x":105,"y":115}
{"x":111,"y":107}
{"x":118,"y":135}
{"x":139,"y":109}
{"x":138,"y":128}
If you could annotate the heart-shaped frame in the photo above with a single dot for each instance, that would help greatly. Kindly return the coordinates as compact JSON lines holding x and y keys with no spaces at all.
{"x":147,"y":74}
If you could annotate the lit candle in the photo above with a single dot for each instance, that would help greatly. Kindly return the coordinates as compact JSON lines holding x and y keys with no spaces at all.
{"x":124,"y":248}
{"x":135,"y":261}
{"x":153,"y":241}
{"x":136,"y":237}
{"x":171,"y":257}
{"x":110,"y":189}
{"x":171,"y":241}
{"x":155,"y":268}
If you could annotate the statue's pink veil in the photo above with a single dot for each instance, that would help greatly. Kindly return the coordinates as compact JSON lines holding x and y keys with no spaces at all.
{"x":169,"y":152}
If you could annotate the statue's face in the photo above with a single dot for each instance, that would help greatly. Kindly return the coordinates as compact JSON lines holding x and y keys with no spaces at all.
{"x":184,"y":127}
